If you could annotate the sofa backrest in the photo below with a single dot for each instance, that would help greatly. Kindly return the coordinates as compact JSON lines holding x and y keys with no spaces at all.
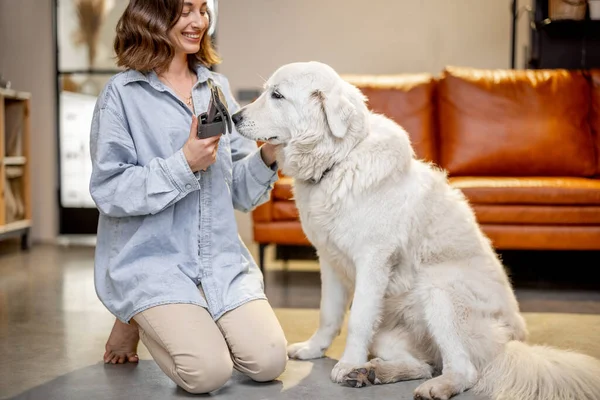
{"x":515,"y":123}
{"x":409,"y":100}
{"x":479,"y":122}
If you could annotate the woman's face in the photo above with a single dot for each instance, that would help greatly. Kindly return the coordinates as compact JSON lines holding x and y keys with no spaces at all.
{"x":187,"y":32}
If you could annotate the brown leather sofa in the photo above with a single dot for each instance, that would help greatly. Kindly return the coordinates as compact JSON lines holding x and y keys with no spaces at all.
{"x":524,"y":147}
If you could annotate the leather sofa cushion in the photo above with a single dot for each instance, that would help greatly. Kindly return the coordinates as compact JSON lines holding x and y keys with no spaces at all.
{"x":504,"y":190}
{"x":282,"y":190}
{"x":409,"y":100}
{"x":503,"y":236}
{"x":285,"y":210}
{"x":522,"y":191}
{"x":595,"y":118}
{"x":280,"y":232}
{"x":262,"y":213}
{"x":515,"y":123}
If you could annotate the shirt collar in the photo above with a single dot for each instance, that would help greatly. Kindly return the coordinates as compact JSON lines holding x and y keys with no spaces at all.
{"x":202,"y":72}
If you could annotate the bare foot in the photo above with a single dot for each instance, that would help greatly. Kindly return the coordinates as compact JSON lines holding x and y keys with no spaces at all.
{"x":122,"y":343}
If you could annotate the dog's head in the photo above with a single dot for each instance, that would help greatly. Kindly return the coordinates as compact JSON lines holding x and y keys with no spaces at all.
{"x":310,"y":110}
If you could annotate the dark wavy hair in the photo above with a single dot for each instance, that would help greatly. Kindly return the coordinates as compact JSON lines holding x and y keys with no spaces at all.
{"x":142,"y":41}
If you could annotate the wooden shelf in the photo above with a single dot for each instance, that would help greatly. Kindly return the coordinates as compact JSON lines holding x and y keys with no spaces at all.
{"x":15,"y":226}
{"x":560,"y":43}
{"x":566,"y":28}
{"x":15,"y":192}
{"x":18,"y":160}
{"x":14,"y":95}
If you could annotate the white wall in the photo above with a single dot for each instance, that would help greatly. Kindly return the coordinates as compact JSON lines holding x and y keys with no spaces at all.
{"x":355,"y":36}
{"x":257,"y":36}
{"x":26,"y":59}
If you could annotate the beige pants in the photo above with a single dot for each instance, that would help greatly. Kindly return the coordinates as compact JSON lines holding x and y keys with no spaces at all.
{"x":199,"y":354}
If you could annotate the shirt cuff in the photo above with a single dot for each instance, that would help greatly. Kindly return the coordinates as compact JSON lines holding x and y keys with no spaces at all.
{"x":260,"y":171}
{"x":181,"y":174}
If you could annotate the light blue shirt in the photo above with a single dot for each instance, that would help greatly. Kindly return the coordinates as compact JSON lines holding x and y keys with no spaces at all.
{"x":164,"y":230}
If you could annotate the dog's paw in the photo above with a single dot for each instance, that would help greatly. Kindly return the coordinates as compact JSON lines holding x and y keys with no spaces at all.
{"x":438,"y":388}
{"x":305,"y":351}
{"x":447,"y":385}
{"x":341,"y":370}
{"x":363,"y":376}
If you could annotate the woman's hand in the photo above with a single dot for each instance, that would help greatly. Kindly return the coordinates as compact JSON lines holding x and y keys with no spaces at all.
{"x":200,"y":153}
{"x":268,"y":152}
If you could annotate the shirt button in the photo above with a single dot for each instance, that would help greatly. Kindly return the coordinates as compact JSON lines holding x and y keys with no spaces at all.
{"x":188,"y":186}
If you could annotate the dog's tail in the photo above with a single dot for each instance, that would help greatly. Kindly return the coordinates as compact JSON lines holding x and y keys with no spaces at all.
{"x":524,"y":372}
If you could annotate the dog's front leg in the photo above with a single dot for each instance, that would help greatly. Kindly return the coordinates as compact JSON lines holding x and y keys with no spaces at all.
{"x":334,"y":301}
{"x":372,"y":274}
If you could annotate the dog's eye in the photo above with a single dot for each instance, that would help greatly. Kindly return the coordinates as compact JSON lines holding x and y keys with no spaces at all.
{"x":276,"y":95}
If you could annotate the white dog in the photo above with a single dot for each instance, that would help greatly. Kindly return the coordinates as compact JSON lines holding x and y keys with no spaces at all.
{"x":430,"y":298}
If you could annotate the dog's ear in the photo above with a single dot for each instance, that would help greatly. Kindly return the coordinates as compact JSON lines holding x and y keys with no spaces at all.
{"x":338,"y":110}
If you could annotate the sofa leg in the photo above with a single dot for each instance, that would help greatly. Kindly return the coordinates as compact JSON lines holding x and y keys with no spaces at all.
{"x":261,"y":257}
{"x":286,"y":264}
{"x":286,"y":272}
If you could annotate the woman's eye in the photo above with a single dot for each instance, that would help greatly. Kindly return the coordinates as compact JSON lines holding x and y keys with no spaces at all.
{"x":276,"y":95}
{"x":185,"y":14}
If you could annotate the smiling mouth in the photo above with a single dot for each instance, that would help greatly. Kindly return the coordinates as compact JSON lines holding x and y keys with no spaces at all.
{"x":194,"y":36}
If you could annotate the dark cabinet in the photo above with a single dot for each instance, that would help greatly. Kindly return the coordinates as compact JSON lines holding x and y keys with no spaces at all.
{"x":570,"y":44}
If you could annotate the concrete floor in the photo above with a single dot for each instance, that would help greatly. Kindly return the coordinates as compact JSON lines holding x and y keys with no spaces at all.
{"x":53,"y":330}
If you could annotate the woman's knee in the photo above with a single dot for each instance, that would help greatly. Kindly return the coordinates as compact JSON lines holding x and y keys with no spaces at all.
{"x":267,"y":362}
{"x":187,"y":345}
{"x":204,"y":376}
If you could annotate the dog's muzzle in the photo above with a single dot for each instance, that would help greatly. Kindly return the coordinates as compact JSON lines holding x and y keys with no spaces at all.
{"x":237,"y":117}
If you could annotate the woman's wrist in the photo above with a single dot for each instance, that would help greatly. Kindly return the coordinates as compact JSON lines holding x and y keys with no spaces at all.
{"x":268,"y":154}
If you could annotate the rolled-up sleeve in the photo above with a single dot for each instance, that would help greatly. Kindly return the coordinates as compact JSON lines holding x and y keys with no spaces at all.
{"x":252,"y":179}
{"x":119,"y":186}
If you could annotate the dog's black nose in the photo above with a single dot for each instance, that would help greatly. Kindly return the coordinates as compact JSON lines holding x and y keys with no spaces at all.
{"x":237,"y":117}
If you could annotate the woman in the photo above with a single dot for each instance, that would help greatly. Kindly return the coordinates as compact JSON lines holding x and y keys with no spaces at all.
{"x":169,"y":262}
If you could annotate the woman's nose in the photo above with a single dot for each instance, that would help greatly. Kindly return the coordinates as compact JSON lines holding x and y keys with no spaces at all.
{"x":200,"y":21}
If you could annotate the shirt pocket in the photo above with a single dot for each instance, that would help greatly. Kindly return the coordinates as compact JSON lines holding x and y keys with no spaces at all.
{"x":177,"y":136}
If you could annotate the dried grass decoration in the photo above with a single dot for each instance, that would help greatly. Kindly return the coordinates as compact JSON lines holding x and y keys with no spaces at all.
{"x":91,"y":15}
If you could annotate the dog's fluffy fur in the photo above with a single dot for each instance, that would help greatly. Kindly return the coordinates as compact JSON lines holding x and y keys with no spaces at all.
{"x":430,"y":298}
